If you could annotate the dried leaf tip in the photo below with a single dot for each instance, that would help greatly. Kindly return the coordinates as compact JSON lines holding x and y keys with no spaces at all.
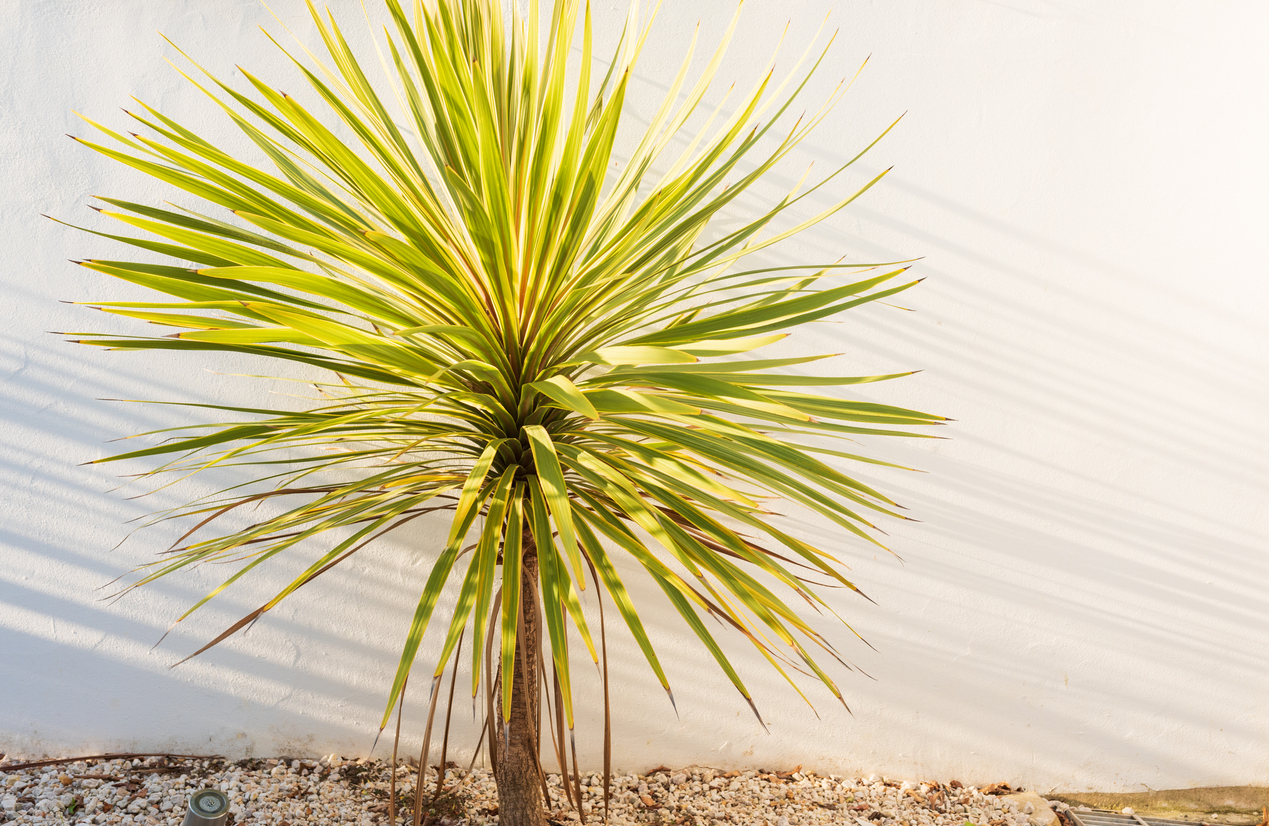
{"x":754,"y":709}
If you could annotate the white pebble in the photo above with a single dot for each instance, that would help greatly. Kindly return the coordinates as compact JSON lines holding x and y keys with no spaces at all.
{"x":268,"y":791}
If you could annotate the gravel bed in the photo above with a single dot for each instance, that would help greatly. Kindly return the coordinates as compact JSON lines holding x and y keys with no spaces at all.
{"x":286,"y":792}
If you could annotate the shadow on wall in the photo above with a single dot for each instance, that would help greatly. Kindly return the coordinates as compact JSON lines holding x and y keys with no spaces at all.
{"x":1085,"y":590}
{"x":1090,"y":567}
{"x":1038,"y":600}
{"x":79,"y":668}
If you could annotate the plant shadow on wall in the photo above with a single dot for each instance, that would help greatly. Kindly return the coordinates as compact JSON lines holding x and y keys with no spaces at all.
{"x":1053,"y":548}
{"x":556,"y":355}
{"x":55,"y":580}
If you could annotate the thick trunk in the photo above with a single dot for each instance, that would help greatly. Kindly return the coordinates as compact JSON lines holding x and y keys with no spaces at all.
{"x":519,"y":787}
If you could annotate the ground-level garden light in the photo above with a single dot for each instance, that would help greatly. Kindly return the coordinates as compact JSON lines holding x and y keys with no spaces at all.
{"x":207,"y":807}
{"x":509,"y":323}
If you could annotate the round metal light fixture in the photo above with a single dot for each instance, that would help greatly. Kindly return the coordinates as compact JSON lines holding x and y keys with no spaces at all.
{"x":207,"y":807}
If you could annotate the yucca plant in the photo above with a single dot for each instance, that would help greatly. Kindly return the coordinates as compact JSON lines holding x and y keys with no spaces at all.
{"x":511,"y":324}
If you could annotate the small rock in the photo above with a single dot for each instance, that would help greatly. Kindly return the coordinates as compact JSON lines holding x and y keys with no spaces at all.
{"x":648,"y":801}
{"x":678,"y":779}
{"x":66,"y":779}
{"x":1127,"y":810}
{"x":1032,"y":806}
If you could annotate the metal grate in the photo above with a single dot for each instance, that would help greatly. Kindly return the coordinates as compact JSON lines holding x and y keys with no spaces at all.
{"x":1098,"y":817}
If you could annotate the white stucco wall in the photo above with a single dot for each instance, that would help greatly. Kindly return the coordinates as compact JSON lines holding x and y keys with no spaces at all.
{"x":1085,"y":603}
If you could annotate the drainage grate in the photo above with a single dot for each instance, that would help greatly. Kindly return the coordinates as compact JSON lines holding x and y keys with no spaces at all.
{"x":1097,"y":817}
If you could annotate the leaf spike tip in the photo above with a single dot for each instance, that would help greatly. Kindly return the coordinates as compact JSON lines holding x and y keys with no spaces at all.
{"x":673,"y":704}
{"x":754,"y":709}
{"x":165,"y":633}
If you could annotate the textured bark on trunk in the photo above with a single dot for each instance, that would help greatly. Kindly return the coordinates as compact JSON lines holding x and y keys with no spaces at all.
{"x":519,"y":787}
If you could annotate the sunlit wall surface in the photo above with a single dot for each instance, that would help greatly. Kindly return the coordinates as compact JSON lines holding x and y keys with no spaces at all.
{"x":1085,"y":600}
